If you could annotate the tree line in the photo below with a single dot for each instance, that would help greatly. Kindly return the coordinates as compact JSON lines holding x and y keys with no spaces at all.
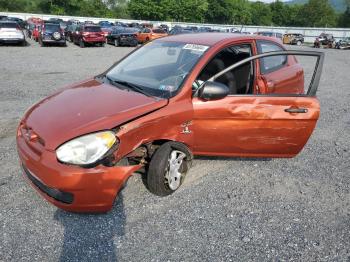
{"x":315,"y":13}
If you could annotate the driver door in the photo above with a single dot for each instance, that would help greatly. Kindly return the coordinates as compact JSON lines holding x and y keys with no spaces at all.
{"x":257,"y":124}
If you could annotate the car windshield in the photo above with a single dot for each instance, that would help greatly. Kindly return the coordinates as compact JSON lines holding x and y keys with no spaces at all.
{"x":52,"y":27}
{"x":8,"y":25}
{"x":158,"y":67}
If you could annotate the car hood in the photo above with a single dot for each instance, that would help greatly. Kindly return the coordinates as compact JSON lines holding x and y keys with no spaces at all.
{"x":85,"y":108}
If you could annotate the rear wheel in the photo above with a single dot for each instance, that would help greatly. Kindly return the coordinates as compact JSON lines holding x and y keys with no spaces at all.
{"x":42,"y":44}
{"x":299,"y":43}
{"x":168,"y":168}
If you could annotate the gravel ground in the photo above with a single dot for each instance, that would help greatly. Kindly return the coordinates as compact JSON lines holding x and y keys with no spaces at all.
{"x":227,"y":210}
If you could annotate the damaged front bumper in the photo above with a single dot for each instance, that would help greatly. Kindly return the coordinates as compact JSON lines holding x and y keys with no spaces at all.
{"x":68,"y":187}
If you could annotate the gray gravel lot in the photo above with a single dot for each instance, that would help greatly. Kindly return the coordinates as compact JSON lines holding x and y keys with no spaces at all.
{"x":227,"y":210}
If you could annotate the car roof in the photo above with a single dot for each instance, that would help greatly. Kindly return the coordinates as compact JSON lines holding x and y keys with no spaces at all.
{"x":211,"y":39}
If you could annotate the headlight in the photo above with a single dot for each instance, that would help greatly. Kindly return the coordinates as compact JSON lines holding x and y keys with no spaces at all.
{"x":87,"y":149}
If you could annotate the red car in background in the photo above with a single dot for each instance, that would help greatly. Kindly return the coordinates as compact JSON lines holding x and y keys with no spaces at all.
{"x":36,"y":32}
{"x":88,"y":34}
{"x":208,"y":94}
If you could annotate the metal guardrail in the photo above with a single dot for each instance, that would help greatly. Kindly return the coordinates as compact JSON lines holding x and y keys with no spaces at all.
{"x":309,"y":33}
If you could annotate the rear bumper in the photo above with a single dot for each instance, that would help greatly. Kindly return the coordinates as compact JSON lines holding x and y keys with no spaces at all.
{"x":53,"y":41}
{"x":68,"y":187}
{"x":94,"y":40}
{"x":12,"y":40}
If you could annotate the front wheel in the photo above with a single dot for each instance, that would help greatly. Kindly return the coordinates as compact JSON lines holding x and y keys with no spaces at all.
{"x":168,"y":168}
{"x":299,"y":43}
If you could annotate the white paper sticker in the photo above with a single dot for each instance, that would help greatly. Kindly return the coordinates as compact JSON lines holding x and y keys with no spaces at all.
{"x":194,"y":47}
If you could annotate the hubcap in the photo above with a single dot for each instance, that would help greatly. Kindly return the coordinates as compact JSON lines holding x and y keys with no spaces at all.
{"x":173,"y":172}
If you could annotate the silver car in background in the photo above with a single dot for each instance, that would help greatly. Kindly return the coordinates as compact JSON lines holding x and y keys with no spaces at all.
{"x":11,"y":32}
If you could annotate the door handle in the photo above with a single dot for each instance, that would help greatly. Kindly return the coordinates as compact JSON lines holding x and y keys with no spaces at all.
{"x":294,"y":110}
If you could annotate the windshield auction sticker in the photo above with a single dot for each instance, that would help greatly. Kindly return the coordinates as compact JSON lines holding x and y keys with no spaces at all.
{"x":198,"y":48}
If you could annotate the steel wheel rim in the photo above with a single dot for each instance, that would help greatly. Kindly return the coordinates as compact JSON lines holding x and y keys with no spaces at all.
{"x":173,"y":173}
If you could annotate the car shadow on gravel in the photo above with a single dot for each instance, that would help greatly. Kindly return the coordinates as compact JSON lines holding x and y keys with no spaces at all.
{"x":92,"y":237}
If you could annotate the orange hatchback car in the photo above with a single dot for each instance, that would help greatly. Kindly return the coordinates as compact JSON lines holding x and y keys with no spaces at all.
{"x":210,"y":94}
{"x":149,"y":34}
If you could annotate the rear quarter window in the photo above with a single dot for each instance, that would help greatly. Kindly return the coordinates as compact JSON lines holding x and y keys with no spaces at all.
{"x":270,"y":64}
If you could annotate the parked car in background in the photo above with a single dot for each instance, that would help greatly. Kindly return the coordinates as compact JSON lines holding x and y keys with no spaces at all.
{"x":270,"y":34}
{"x":179,"y":97}
{"x":69,"y":32}
{"x":51,"y":33}
{"x":31,"y":25}
{"x":164,"y":27}
{"x":123,"y":36}
{"x":343,"y":43}
{"x":326,"y":40}
{"x":3,"y":17}
{"x":148,"y":34}
{"x":88,"y":34}
{"x":293,"y":39}
{"x":11,"y":33}
{"x":177,"y":30}
{"x":19,"y":21}
{"x":36,"y":32}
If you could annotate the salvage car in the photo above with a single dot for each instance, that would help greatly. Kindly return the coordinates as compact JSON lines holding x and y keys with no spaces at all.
{"x":123,"y":36}
{"x":11,"y":33}
{"x":326,"y":40}
{"x":211,"y":94}
{"x":148,"y":34}
{"x":343,"y":43}
{"x":88,"y":34}
{"x":51,"y":33}
{"x":293,"y":39}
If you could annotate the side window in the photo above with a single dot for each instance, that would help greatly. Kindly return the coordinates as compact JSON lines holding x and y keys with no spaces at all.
{"x":147,"y":30}
{"x":270,"y":64}
{"x":239,"y":80}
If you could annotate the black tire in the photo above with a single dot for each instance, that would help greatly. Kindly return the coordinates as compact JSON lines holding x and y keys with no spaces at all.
{"x":42,"y":44}
{"x":24,"y":43}
{"x":81,"y":43}
{"x":160,"y":164}
{"x":299,"y":43}
{"x":103,"y":44}
{"x":116,"y":43}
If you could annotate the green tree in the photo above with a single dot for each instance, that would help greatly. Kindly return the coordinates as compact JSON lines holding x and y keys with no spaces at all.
{"x":344,"y":19}
{"x":317,"y":13}
{"x":261,"y":13}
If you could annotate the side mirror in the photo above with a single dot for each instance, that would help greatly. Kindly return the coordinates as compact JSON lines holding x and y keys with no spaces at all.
{"x":213,"y":91}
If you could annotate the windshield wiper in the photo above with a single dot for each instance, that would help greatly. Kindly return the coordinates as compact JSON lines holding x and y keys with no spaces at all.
{"x":130,"y":86}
